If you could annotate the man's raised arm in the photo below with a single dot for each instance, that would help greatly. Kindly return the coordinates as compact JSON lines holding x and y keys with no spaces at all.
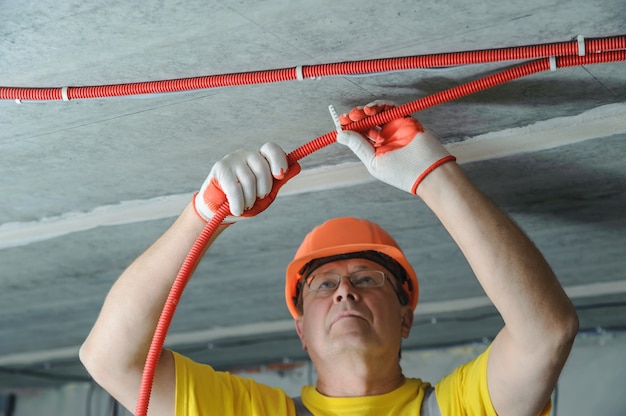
{"x":115,"y":351}
{"x":528,"y":354}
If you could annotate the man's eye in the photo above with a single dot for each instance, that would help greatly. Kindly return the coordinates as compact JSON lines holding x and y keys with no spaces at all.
{"x":327,"y":284}
{"x":364,"y":281}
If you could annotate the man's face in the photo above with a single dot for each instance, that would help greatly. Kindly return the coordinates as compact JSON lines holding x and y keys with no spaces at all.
{"x":350,"y":320}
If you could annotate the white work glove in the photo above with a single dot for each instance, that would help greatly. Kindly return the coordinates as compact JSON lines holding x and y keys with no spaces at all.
{"x":249,"y":180}
{"x":400,"y":152}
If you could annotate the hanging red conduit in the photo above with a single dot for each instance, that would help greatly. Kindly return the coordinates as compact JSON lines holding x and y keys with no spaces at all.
{"x":603,"y":52}
{"x":571,"y":48}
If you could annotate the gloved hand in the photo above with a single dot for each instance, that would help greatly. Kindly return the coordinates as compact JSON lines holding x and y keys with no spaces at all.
{"x":249,"y":180}
{"x":400,"y":152}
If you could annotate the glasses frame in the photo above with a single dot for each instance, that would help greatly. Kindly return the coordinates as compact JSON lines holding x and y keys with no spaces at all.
{"x":311,"y":277}
{"x":307,"y":282}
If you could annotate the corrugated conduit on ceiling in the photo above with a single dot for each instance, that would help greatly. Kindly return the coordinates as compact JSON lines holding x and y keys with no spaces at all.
{"x":605,"y":49}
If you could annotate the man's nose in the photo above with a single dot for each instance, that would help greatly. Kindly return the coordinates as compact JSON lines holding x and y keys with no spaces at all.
{"x":345,"y":290}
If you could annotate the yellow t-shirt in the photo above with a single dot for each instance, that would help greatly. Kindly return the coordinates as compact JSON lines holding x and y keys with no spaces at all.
{"x":200,"y":390}
{"x":465,"y":391}
{"x":403,"y":401}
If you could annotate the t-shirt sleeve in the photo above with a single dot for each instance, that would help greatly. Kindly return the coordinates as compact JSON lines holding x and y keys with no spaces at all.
{"x":465,"y":390}
{"x":200,"y":390}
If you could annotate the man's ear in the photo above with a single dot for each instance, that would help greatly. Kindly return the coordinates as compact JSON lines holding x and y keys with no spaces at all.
{"x":407,"y":321}
{"x":300,"y":330}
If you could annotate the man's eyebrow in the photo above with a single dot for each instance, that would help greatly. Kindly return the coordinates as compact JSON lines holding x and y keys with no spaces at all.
{"x":364,"y":267}
{"x":359,"y":267}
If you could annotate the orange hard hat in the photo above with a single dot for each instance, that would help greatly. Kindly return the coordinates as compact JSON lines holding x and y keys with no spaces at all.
{"x":345,"y":235}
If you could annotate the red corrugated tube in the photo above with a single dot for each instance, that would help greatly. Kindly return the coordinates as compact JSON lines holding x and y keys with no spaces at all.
{"x":196,"y":251}
{"x":571,"y":48}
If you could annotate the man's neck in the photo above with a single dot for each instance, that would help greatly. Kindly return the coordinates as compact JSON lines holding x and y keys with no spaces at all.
{"x":353,"y":378}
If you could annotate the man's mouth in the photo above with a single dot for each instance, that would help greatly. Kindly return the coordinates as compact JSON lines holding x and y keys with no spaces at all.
{"x":347,"y":315}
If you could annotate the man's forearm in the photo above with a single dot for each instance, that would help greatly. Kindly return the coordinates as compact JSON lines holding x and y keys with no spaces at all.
{"x":512,"y":271}
{"x":123,"y":331}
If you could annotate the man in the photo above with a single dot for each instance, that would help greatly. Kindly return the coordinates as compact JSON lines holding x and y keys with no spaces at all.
{"x":352,"y":294}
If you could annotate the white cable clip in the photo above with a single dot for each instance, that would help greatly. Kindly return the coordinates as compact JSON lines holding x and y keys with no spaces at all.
{"x":64,"y":94}
{"x":299,"y":75}
{"x":335,"y":117}
{"x":552,"y":63}
{"x":581,"y":45}
{"x":18,"y":101}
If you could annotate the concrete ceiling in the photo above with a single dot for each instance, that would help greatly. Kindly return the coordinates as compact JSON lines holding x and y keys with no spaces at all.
{"x":88,"y":184}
